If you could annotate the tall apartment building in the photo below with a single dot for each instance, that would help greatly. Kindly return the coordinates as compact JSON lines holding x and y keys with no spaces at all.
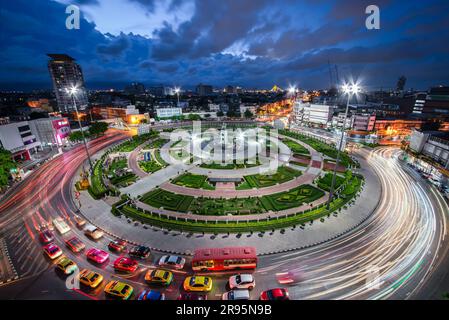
{"x":204,"y":90}
{"x":66,"y":73}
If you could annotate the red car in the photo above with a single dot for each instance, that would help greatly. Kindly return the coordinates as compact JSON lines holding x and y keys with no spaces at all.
{"x":125,"y":264}
{"x":46,"y":236}
{"x":275,"y":294}
{"x":117,"y":245}
{"x":75,"y":244}
{"x":98,"y":256}
{"x":52,"y":251}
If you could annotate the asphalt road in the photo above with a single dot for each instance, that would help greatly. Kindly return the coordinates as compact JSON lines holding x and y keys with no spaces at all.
{"x":399,"y":253}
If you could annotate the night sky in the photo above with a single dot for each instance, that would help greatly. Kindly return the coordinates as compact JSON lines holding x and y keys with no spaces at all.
{"x":251,"y":43}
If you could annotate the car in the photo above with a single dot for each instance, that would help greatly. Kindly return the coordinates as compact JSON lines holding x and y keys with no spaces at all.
{"x":290,"y":277}
{"x":46,"y":236}
{"x":61,"y":225}
{"x":97,"y":256}
{"x":93,"y":232}
{"x":242,"y":281}
{"x":118,"y":290}
{"x":90,"y":278}
{"x":151,"y":295}
{"x":52,"y":251}
{"x":198,"y":284}
{"x":159,"y":276}
{"x":275,"y":294}
{"x":80,"y":222}
{"x":66,"y":265}
{"x":125,"y":264}
{"x":117,"y":245}
{"x":191,"y":296}
{"x":236,"y":295}
{"x":75,"y":244}
{"x":175,"y":262}
{"x":141,"y":252}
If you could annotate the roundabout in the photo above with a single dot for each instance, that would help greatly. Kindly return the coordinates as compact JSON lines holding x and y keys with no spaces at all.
{"x":277,"y":181}
{"x":337,"y":254}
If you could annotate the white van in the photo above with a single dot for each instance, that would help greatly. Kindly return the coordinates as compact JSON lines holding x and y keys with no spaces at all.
{"x":61,"y":225}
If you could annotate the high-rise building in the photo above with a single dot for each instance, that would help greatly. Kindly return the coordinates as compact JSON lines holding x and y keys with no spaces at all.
{"x":204,"y":90}
{"x":66,"y":73}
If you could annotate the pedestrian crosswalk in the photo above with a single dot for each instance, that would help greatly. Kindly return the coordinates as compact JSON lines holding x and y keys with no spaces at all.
{"x":8,"y":272}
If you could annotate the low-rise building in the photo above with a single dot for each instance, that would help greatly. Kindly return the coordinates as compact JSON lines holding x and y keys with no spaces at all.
{"x":164,"y":113}
{"x":17,"y":138}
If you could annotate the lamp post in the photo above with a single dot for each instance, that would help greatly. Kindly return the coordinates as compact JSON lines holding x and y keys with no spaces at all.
{"x":349,"y":90}
{"x":72,"y":91}
{"x":177,"y":90}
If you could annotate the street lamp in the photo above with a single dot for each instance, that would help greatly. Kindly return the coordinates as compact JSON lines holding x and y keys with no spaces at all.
{"x":73,"y":91}
{"x":349,"y":90}
{"x":177,"y":90}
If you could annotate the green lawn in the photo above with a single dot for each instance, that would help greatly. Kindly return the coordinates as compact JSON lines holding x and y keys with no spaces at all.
{"x":293,"y":198}
{"x":156,"y":144}
{"x":193,"y":181}
{"x":135,"y":141}
{"x":282,"y":175}
{"x":324,"y":148}
{"x":295,"y":147}
{"x":208,"y":206}
{"x":97,"y":187}
{"x":157,"y":155}
{"x":230,"y":166}
{"x":168,"y":200}
{"x":150,"y":166}
{"x":326,"y":181}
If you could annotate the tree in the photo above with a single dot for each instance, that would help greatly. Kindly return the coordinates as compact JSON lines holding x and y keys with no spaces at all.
{"x":220,"y":114}
{"x":194,"y":117}
{"x":98,"y":128}
{"x":77,"y":136}
{"x":6,"y":164}
{"x":248,"y":114}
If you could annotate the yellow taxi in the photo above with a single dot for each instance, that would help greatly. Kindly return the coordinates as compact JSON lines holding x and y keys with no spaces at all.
{"x":118,"y":290}
{"x":90,"y":279}
{"x":159,"y":276}
{"x":198,"y":284}
{"x":66,"y":265}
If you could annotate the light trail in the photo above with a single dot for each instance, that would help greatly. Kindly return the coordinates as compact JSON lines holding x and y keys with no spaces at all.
{"x":394,"y":249}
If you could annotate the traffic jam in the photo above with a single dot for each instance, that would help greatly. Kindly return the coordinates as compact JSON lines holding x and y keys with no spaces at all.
{"x":100,"y":267}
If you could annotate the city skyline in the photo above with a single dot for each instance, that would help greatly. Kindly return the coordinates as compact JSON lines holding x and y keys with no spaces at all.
{"x":249,"y":44}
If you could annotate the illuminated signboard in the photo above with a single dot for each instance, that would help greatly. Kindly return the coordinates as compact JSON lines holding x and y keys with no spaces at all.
{"x":62,"y":128}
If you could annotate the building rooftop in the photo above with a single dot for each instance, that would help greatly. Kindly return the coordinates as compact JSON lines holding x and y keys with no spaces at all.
{"x":60,"y":57}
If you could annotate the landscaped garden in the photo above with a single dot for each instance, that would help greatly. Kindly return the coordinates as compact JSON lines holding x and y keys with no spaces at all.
{"x":219,"y":207}
{"x":283,"y":174}
{"x":136,"y":141}
{"x":190,"y":180}
{"x":295,"y":147}
{"x":230,"y":166}
{"x":160,"y":198}
{"x":149,"y":166}
{"x":292,"y":199}
{"x":324,"y":148}
{"x":118,"y":173}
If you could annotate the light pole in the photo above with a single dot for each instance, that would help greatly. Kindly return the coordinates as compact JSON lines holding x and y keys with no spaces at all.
{"x":177,"y":90}
{"x":72,"y":91}
{"x":349,"y":91}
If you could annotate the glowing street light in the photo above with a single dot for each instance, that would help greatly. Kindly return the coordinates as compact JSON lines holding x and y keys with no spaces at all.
{"x":177,"y":91}
{"x":349,"y":90}
{"x":73,"y":90}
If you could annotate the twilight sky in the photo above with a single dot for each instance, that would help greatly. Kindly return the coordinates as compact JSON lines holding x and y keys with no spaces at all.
{"x":251,"y":43}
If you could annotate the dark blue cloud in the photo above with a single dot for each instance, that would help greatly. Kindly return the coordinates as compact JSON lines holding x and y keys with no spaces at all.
{"x":249,"y":43}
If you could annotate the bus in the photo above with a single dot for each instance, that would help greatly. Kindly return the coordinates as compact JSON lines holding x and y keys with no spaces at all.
{"x":222,"y":259}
